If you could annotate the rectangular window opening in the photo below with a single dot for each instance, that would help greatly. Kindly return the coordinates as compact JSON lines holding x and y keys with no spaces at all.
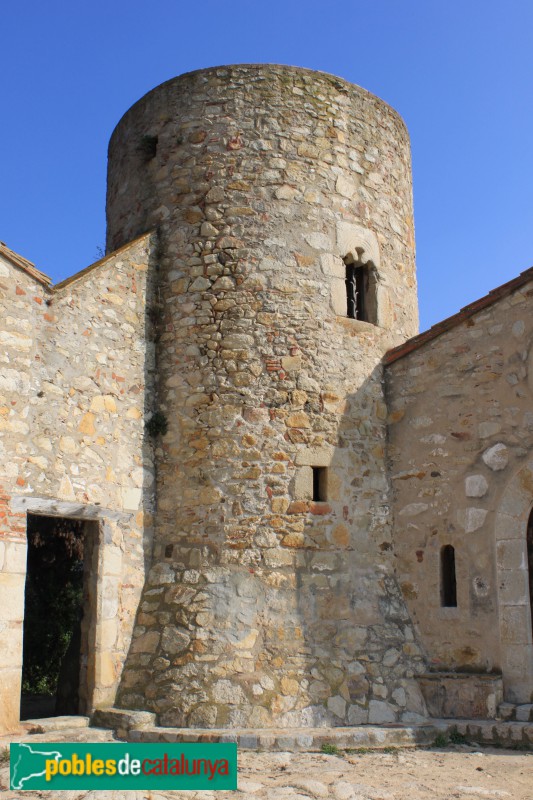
{"x":320,"y":484}
{"x":448,"y":577}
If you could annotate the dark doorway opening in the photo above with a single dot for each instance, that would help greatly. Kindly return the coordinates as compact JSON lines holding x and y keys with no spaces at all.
{"x":530,"y":561}
{"x":56,"y":616}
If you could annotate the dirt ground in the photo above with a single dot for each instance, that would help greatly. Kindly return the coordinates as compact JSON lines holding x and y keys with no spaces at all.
{"x":458,"y":772}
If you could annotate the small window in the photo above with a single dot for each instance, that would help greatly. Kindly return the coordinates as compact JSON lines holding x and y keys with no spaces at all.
{"x":356,"y":293}
{"x":361,"y":289}
{"x":320,"y":481}
{"x":448,"y":583}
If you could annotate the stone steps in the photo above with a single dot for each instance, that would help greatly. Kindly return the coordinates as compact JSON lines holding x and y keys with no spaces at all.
{"x":50,"y":724}
{"x":302,"y":740}
{"x":139,"y":726}
{"x":514,"y":735}
{"x":521,"y":713}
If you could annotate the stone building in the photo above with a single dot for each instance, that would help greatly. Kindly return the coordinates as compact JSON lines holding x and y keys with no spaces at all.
{"x":295,"y":514}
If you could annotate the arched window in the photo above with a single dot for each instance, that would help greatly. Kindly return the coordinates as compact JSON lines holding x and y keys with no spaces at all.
{"x":448,"y":583}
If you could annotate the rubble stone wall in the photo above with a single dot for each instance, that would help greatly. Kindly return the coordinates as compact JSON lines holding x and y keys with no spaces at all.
{"x":263,"y":606}
{"x":75,"y":388}
{"x":460,"y":440}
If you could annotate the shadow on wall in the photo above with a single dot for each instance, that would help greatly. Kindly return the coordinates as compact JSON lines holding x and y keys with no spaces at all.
{"x":292,"y":618}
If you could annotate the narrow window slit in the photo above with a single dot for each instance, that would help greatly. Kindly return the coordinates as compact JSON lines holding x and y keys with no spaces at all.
{"x":448,"y":578}
{"x":319,"y":484}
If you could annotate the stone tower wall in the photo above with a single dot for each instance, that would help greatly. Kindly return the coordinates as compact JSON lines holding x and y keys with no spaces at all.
{"x":264,"y":607}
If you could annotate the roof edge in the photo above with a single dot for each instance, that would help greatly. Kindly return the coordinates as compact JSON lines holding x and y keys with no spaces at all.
{"x":27,"y":266}
{"x":451,"y":322}
{"x":101,"y":262}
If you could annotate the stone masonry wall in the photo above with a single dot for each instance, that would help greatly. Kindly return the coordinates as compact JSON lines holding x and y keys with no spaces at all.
{"x":75,"y":388}
{"x":460,"y":441}
{"x":264,"y":607}
{"x":22,"y":305}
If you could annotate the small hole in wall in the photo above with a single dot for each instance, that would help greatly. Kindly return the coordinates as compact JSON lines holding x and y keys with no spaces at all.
{"x":148,"y":147}
{"x":320,"y":484}
{"x":169,"y":550}
{"x":448,"y":582}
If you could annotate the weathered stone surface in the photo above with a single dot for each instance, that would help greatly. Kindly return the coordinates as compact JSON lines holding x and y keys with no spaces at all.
{"x":476,"y":486}
{"x":269,"y":566}
{"x":74,"y":451}
{"x":460,"y":444}
{"x":262,"y":379}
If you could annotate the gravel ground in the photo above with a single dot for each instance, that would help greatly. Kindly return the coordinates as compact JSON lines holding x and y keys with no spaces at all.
{"x":457,"y":772}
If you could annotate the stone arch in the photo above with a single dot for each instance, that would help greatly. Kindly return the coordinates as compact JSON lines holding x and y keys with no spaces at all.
{"x":356,"y":245}
{"x":514,"y":605}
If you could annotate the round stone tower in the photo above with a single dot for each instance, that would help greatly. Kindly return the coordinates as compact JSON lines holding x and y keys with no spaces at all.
{"x":282,"y":198}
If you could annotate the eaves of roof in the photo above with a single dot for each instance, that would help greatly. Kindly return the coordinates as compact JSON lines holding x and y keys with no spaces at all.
{"x":23,"y":263}
{"x":465,"y":313}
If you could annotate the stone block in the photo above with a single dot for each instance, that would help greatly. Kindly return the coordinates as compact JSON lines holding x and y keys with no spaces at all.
{"x":131,"y":499}
{"x":509,"y":526}
{"x":513,"y":587}
{"x":353,"y":238}
{"x":10,"y":645}
{"x":506,"y":711}
{"x":496,"y":457}
{"x":515,"y":624}
{"x":105,"y":670}
{"x":10,"y":681}
{"x":476,"y":486}
{"x":112,"y":560}
{"x":471,"y":519}
{"x":380,"y":712}
{"x":338,"y":296}
{"x":455,"y":695}
{"x":524,"y":712}
{"x":12,"y":587}
{"x":303,"y":484}
{"x":511,"y":554}
{"x":16,"y":554}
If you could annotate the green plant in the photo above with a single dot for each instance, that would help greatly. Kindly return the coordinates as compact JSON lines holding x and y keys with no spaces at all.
{"x":157,"y":425}
{"x":330,"y":749}
{"x":154,"y":313}
{"x":441,"y":740}
{"x":456,"y":737}
{"x":53,"y":599}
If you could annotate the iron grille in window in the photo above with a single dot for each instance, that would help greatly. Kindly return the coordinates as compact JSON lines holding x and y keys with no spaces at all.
{"x":356,"y":282}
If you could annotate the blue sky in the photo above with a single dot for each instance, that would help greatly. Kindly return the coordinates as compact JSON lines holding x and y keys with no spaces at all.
{"x":460,"y":74}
